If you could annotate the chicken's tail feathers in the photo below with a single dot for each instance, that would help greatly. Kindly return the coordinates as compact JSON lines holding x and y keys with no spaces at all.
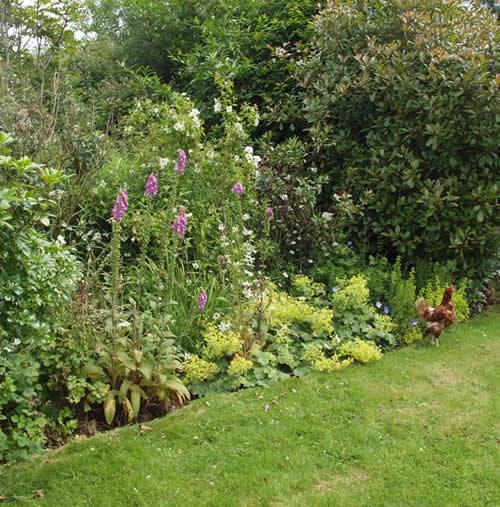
{"x":423,"y":309}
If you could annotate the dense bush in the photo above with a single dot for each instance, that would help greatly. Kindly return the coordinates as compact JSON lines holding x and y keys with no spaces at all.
{"x":37,"y":281}
{"x":192,"y":44}
{"x":402,"y":100}
{"x":254,"y":59}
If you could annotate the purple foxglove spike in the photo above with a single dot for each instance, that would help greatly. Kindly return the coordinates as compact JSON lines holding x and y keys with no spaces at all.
{"x":180,"y":223}
{"x":151,"y":187}
{"x":181,"y":162}
{"x":120,"y":206}
{"x":202,"y":300}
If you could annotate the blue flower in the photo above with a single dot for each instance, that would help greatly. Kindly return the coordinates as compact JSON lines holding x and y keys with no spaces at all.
{"x":349,"y":243}
{"x":387,"y":310}
{"x":378,"y":304}
{"x":334,"y":289}
{"x":414,"y":322}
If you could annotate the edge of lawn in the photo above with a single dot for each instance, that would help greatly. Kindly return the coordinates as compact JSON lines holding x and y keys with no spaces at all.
{"x":195,"y":428}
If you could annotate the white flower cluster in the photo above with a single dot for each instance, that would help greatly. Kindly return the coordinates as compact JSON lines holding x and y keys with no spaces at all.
{"x":224,"y":326}
{"x":195,"y":116}
{"x":179,"y":126}
{"x":251,"y":158}
{"x":163,"y":162}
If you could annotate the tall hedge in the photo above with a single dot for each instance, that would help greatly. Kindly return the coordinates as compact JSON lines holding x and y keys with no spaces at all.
{"x":402,"y":101}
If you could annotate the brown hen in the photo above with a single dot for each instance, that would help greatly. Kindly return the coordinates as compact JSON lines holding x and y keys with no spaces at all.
{"x":440,"y":317}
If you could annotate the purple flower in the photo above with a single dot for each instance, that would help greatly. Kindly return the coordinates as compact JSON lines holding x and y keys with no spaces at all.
{"x":125,"y":198}
{"x":151,"y":187}
{"x":269,"y":213}
{"x":349,"y":243}
{"x":202,"y":300}
{"x":180,"y":223}
{"x":387,"y":310}
{"x":238,"y":189}
{"x":181,"y":162}
{"x":222,"y":260}
{"x":414,"y":322}
{"x":378,"y":304}
{"x":120,"y":206}
{"x":334,"y":289}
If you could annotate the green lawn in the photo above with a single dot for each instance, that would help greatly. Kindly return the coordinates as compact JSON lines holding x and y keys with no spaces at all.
{"x":420,"y":427}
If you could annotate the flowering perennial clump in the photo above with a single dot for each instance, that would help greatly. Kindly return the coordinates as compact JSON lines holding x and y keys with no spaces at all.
{"x":239,"y":365}
{"x":306,"y":288}
{"x":315,"y":355}
{"x":385,"y":322}
{"x":197,"y":369}
{"x":285,"y":309}
{"x":331,"y":364}
{"x":120,"y":206}
{"x":361,"y":350}
{"x":353,"y":294}
{"x":180,"y":223}
{"x":220,"y":343}
{"x":181,"y":162}
{"x":151,"y":187}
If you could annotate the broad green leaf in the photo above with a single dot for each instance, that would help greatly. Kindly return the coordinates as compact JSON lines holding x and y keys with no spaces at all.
{"x":122,"y":393}
{"x":146,"y":368}
{"x":110,"y":408}
{"x":135,"y":397}
{"x":127,"y":406}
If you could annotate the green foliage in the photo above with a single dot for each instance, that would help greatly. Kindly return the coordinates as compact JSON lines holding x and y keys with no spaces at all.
{"x":239,"y":366}
{"x":150,"y":34}
{"x":285,"y":310}
{"x":256,"y":60}
{"x":219,"y":343}
{"x":411,"y":336}
{"x":193,"y":44}
{"x":403,"y":115}
{"x":307,"y":289}
{"x":304,"y":231}
{"x":354,"y":317}
{"x":198,"y":370}
{"x":402,"y":298}
{"x":271,"y":342}
{"x":361,"y":351}
{"x":290,"y":336}
{"x":37,"y":281}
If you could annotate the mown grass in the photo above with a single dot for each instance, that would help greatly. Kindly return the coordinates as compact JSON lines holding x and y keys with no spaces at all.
{"x":421,"y":427}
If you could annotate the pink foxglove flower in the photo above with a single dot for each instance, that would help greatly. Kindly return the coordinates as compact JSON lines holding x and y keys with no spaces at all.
{"x":120,"y":206}
{"x":151,"y":187}
{"x":238,"y":189}
{"x":180,"y":223}
{"x":269,"y":213}
{"x":202,"y":300}
{"x":181,"y":162}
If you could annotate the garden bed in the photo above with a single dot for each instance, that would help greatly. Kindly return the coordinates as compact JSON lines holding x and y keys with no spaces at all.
{"x":416,"y":428}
